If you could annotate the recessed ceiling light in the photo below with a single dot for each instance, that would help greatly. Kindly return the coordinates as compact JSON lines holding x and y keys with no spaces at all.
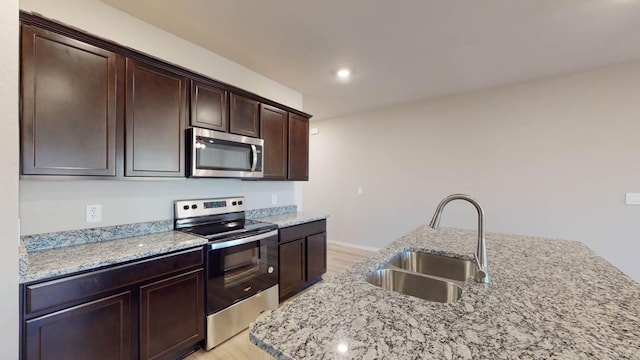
{"x":343,"y":73}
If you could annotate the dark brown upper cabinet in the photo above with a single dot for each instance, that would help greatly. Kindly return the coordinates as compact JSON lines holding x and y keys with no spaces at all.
{"x":298,"y":148}
{"x":91,"y":108}
{"x":69,"y":105}
{"x":155,"y":121}
{"x":209,"y":106}
{"x":244,"y":118}
{"x":273,"y":130}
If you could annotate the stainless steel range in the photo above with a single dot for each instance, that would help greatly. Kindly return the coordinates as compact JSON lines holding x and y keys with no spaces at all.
{"x":241,"y":264}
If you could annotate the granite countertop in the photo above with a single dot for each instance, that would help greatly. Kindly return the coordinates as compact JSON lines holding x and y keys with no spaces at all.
{"x":548,"y":299}
{"x":48,"y":263}
{"x":69,"y":255}
{"x":291,"y":219}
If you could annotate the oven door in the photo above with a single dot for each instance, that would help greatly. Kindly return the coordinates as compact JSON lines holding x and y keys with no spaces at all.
{"x":217,"y":154}
{"x":240,"y":268}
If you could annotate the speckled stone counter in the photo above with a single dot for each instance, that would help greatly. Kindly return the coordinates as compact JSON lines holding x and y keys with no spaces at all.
{"x":23,"y":260}
{"x":66,"y":260}
{"x":549,"y":299}
{"x":291,"y":219}
{"x":47,"y":255}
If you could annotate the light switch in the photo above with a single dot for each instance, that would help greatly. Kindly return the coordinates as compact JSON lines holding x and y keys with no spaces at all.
{"x":633,"y":199}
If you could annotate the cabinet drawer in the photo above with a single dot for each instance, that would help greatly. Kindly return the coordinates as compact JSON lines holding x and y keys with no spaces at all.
{"x":303,"y":230}
{"x":51,"y":294}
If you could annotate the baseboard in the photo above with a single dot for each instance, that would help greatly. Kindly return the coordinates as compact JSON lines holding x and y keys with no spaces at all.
{"x":356,"y":246}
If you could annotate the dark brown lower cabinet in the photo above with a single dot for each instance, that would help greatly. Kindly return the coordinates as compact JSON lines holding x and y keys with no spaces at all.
{"x":292,"y":274}
{"x":171,"y":314}
{"x":317,"y":258}
{"x":99,"y":329}
{"x":148,"y":309}
{"x":302,"y":257}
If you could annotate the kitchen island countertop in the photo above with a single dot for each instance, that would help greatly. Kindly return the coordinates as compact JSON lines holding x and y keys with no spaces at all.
{"x":547,"y":299}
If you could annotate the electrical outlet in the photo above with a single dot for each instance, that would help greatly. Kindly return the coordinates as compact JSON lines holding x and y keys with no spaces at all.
{"x":94,"y":213}
{"x":274,"y":199}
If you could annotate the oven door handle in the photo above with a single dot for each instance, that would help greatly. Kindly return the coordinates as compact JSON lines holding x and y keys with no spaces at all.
{"x":244,"y":240}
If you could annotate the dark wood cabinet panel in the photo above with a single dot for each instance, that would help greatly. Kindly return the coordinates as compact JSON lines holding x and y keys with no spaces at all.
{"x":316,"y":256}
{"x":273,"y":130}
{"x":292,"y":267}
{"x":303,"y":256}
{"x":50,"y":295}
{"x":69,"y":105}
{"x":97,"y":330}
{"x":302,"y":230}
{"x":155,"y":121}
{"x":157,"y":311}
{"x":93,"y":108}
{"x":172,"y":316}
{"x":298,"y":148}
{"x":209,"y":106}
{"x":243,"y":119}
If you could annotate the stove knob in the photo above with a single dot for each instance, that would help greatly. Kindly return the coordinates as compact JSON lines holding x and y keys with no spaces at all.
{"x":239,"y":202}
{"x":186,"y":207}
{"x":194,"y":207}
{"x":270,"y":269}
{"x":234,"y":203}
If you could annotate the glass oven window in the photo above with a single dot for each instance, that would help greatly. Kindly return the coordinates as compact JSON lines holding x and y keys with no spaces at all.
{"x":241,"y":266}
{"x":216,"y":154}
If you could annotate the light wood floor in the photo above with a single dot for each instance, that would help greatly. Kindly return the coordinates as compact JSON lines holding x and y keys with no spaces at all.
{"x":239,"y":347}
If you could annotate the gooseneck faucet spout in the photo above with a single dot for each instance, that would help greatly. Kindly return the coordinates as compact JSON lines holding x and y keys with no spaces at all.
{"x":482,"y":273}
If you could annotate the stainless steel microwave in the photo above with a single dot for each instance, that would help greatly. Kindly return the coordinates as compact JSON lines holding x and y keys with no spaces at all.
{"x":217,"y":154}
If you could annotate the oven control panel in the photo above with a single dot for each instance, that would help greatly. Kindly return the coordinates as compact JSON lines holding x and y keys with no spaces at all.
{"x":202,"y":207}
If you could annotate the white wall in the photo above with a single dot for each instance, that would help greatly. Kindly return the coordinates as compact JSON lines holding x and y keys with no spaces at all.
{"x":550,"y":158}
{"x":47,"y":206}
{"x":9,"y":179}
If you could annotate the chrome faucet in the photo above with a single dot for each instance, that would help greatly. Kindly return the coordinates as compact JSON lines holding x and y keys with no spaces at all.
{"x":482,"y":273}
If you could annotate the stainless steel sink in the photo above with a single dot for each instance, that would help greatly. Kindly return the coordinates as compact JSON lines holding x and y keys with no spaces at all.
{"x":436,"y":265}
{"x":417,"y":285}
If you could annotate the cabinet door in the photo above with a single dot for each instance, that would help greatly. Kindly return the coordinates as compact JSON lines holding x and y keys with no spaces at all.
{"x":298,"y":148}
{"x":292,"y":267}
{"x":244,"y":116}
{"x":273,"y":130}
{"x":172,"y":316}
{"x":155,"y":117}
{"x":316,"y":256}
{"x":209,"y":107}
{"x":69,"y":105}
{"x":96,"y":330}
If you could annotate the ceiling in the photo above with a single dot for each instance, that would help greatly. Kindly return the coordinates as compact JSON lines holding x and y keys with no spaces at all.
{"x":401,"y":51}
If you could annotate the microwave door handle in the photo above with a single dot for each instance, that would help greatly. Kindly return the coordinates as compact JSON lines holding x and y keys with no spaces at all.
{"x":254,"y":162}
